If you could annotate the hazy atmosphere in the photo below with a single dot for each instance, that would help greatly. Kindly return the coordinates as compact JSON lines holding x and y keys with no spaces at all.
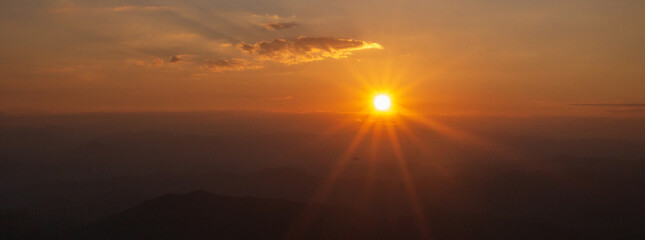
{"x":330,"y":119}
{"x":444,"y":57}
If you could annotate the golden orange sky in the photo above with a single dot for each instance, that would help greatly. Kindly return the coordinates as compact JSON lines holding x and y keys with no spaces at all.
{"x":437,"y":57}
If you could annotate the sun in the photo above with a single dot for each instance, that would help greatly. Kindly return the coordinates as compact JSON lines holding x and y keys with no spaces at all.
{"x":382,"y":102}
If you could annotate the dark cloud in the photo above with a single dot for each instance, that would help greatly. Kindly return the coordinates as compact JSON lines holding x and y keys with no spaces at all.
{"x":279,"y":25}
{"x":234,"y":64}
{"x":609,"y":104}
{"x":305,"y":49}
{"x":175,"y":59}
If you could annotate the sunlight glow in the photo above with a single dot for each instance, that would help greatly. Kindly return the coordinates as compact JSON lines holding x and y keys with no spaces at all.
{"x":382,"y":102}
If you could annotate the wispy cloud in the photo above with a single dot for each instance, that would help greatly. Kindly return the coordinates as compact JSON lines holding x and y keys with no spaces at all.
{"x":608,"y":104}
{"x":138,"y":8}
{"x":155,"y":62}
{"x":127,"y":8}
{"x":279,"y":25}
{"x":171,"y":30}
{"x":257,"y":19}
{"x":235,"y":64}
{"x":305,"y":49}
{"x":290,"y":51}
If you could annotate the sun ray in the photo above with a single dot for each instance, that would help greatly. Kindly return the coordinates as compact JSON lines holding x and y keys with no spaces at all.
{"x":352,"y":118}
{"x":408,"y":181}
{"x":461,"y":136}
{"x":311,"y":209}
{"x":402,"y":125}
{"x":373,"y":161}
{"x":382,"y":118}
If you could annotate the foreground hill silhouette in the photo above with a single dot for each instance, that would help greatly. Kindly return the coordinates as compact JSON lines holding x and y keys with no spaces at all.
{"x":203,"y":215}
{"x":572,"y":178}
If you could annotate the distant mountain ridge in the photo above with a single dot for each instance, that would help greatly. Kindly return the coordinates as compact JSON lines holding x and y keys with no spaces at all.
{"x":203,"y":215}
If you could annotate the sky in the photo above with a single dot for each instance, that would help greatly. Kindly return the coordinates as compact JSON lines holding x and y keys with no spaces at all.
{"x":495,"y":57}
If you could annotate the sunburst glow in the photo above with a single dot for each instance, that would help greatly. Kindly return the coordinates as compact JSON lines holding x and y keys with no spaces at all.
{"x":382,"y":102}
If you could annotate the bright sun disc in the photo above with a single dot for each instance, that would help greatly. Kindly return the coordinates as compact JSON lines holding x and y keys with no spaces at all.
{"x":382,"y":102}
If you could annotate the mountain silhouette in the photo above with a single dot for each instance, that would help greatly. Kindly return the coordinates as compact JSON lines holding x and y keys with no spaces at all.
{"x":203,"y":215}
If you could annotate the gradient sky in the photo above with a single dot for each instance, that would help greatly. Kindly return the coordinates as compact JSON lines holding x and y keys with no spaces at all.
{"x":498,"y":57}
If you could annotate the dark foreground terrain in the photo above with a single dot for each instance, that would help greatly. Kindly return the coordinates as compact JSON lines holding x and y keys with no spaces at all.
{"x":208,"y":176}
{"x":202,"y":215}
